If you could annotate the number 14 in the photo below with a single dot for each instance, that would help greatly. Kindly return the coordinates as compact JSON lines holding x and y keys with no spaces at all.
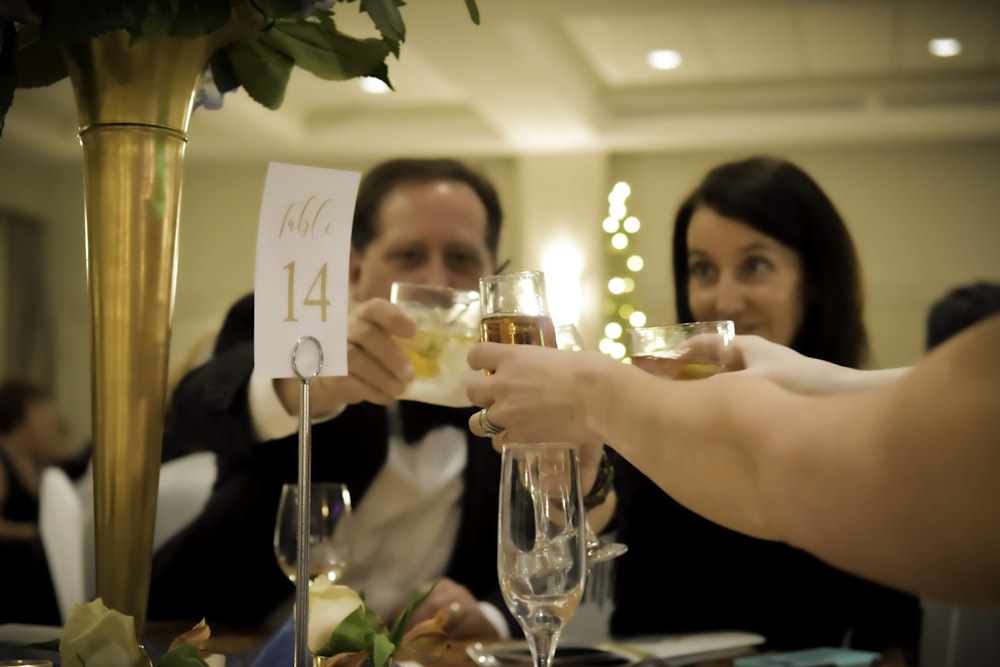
{"x":319,"y":281}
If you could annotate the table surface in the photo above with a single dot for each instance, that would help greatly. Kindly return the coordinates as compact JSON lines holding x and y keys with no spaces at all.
{"x":235,"y":641}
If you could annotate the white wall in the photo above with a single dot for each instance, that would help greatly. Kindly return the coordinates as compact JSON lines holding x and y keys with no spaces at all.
{"x":53,"y":192}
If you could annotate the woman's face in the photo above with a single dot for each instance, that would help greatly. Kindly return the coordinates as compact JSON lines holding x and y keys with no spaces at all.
{"x":738,"y":273}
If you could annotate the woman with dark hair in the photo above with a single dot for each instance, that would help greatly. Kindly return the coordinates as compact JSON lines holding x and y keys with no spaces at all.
{"x":770,"y":218}
{"x":757,"y":242}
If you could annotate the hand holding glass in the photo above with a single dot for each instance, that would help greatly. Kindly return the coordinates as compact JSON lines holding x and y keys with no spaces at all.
{"x":447,"y":327}
{"x":541,"y":559}
{"x":329,"y":530}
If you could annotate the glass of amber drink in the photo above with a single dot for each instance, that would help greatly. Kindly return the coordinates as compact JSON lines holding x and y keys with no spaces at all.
{"x":447,"y":322}
{"x":515,"y":309}
{"x":689,"y":351}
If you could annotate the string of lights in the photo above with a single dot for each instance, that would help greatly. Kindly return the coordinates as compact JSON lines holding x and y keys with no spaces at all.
{"x":624,"y":263}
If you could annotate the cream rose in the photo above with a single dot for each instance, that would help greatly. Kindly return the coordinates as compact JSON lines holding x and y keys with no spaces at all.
{"x":329,"y":604}
{"x":95,"y":636}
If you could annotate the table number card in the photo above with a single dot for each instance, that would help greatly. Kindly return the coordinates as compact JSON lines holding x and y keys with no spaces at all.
{"x":300,"y":283}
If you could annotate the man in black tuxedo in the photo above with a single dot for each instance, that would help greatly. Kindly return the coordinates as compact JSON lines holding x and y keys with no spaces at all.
{"x":424,"y":488}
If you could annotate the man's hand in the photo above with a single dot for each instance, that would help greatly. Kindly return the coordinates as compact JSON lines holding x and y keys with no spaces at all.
{"x":465,"y":620}
{"x":377,"y":367}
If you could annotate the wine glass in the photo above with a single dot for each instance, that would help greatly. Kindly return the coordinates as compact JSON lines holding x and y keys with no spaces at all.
{"x":598,"y":550}
{"x":329,"y":530}
{"x":688,"y":351}
{"x":447,"y":322}
{"x":541,"y":555}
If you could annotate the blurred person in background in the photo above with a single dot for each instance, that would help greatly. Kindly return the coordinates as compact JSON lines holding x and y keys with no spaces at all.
{"x":32,"y":436}
{"x":959,"y":309}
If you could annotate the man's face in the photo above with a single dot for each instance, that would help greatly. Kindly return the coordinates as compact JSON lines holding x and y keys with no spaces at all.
{"x":428,"y":233}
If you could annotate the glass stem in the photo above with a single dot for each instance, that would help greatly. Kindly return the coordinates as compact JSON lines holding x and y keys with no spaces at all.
{"x":543,"y":646}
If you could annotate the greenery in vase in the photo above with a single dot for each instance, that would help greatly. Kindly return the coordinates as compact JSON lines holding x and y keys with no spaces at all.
{"x":271,"y":38}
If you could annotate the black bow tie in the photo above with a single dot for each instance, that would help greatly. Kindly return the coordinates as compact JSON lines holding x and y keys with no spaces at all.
{"x":418,"y":419}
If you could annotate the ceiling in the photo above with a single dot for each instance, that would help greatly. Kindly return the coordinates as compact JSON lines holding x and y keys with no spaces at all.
{"x":571,"y":75}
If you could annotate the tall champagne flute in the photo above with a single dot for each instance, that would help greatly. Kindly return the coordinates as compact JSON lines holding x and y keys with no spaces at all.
{"x":541,"y":560}
{"x":542,"y":549}
{"x":598,"y":549}
{"x":568,"y":337}
{"x":514,"y":309}
{"x":329,"y":530}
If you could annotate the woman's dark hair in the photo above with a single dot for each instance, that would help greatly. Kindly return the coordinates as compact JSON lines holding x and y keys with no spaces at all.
{"x":386,"y":176}
{"x":15,"y":397}
{"x":778,"y":199}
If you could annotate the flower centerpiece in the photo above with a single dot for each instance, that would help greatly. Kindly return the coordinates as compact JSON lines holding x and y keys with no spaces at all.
{"x":343,"y":632}
{"x":135,"y":66}
{"x":260,"y":41}
{"x":95,"y":636}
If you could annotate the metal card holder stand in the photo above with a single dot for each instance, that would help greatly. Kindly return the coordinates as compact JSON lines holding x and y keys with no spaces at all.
{"x":302,"y":658}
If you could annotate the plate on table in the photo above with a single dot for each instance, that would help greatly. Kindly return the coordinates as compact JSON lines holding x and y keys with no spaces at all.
{"x":700,"y":646}
{"x":19,"y":633}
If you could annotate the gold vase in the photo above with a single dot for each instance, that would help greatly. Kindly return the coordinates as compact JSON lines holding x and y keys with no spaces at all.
{"x":134,"y":103}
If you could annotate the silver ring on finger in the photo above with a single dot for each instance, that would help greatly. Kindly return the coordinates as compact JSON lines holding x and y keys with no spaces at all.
{"x":488,"y":427}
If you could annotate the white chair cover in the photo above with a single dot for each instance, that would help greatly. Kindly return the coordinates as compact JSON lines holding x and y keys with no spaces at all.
{"x":185,"y":486}
{"x":66,"y":520}
{"x":61,"y":524}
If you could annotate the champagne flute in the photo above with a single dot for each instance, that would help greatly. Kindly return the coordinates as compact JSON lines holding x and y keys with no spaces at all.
{"x":515,"y":310}
{"x":568,"y":337}
{"x":542,"y":547}
{"x":688,"y":351}
{"x":598,"y":550}
{"x":329,"y":530}
{"x":541,"y":559}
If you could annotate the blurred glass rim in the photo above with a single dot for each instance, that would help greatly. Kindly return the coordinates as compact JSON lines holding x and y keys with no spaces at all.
{"x":564,"y":447}
{"x":516,"y":276}
{"x":664,"y":334}
{"x":438,"y":293}
{"x":318,"y":492}
{"x":501,"y":282}
{"x":568,"y":337}
{"x":520,"y":293}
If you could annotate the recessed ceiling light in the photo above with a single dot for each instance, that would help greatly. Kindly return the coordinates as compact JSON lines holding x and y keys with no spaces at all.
{"x":370,"y":84}
{"x":664,"y":59}
{"x":944,"y":47}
